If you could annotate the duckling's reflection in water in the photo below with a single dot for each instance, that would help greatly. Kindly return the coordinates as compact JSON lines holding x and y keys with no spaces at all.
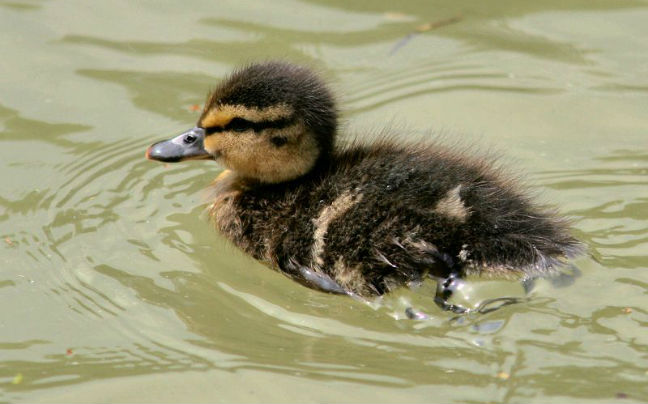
{"x":363,"y":219}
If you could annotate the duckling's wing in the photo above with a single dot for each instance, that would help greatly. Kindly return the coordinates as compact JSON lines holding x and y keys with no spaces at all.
{"x":412,"y":260}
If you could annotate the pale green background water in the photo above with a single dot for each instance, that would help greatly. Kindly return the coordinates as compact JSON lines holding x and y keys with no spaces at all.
{"x":114,"y":287}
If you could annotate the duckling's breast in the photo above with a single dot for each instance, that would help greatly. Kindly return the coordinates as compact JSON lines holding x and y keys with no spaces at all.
{"x":270,"y":222}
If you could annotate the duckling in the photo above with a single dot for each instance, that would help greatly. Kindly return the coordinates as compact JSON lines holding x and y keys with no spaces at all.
{"x":361,"y":219}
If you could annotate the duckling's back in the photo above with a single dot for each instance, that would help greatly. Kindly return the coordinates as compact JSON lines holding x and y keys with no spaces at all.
{"x":375,"y":217}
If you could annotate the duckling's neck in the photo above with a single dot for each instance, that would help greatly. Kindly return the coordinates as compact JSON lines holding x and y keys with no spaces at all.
{"x":323,"y":163}
{"x":230,"y":182}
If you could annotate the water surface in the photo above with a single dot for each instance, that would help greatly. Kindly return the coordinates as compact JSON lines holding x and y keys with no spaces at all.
{"x":115,"y":288}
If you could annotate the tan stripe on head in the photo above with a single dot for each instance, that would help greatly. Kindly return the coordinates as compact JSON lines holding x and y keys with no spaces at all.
{"x":223,"y":114}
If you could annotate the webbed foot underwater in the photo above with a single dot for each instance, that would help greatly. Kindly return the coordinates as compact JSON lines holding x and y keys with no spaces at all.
{"x":360,"y":219}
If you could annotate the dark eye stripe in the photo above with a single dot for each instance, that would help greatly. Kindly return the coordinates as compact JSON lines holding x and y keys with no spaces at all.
{"x":241,"y":124}
{"x":213,"y":129}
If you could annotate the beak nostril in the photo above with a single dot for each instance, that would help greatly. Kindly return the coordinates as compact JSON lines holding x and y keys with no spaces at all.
{"x":189,"y":139}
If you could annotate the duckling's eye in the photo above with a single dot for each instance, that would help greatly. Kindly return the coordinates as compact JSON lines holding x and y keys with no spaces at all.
{"x":278,"y":140}
{"x":239,"y":125}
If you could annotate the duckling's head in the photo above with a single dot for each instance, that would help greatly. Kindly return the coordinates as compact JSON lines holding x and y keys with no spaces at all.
{"x":271,"y":122}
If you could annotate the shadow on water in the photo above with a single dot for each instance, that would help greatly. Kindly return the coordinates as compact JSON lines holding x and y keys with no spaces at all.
{"x":14,"y":127}
{"x":169,"y":94}
{"x":21,"y":6}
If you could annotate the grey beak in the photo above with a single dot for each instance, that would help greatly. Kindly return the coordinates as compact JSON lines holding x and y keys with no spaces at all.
{"x":186,"y":146}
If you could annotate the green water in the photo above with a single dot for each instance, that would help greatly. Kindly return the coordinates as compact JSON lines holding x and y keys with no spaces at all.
{"x":114,"y":287}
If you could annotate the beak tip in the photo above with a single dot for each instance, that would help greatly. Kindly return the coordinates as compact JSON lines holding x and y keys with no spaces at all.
{"x":158,"y":152}
{"x":155,"y":154}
